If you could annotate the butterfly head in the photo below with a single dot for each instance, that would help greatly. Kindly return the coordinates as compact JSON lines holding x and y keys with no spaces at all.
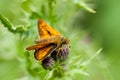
{"x":64,"y":41}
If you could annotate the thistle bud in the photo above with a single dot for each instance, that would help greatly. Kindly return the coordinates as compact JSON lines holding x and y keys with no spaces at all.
{"x":48,"y":63}
{"x":61,"y":54}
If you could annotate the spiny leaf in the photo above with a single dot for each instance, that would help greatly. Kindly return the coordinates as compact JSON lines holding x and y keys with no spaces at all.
{"x":10,"y":27}
{"x":84,"y":5}
{"x":6,"y":23}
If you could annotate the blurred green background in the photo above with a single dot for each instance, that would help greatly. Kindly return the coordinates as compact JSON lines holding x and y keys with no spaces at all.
{"x":75,"y":19}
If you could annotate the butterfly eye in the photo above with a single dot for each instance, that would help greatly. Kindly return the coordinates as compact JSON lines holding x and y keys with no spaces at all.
{"x":64,"y":42}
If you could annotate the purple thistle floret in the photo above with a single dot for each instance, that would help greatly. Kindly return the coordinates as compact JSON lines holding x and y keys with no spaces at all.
{"x":61,"y":54}
{"x":48,"y":63}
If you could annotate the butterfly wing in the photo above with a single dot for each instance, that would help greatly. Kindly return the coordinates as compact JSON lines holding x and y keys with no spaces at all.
{"x":45,"y":30}
{"x":40,"y":54}
{"x":45,"y":33}
{"x":53,"y":40}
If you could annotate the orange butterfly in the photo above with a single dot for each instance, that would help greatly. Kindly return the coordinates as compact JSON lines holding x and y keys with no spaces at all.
{"x":50,"y":40}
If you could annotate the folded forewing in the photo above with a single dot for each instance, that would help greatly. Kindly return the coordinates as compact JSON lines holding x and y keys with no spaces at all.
{"x":45,"y":30}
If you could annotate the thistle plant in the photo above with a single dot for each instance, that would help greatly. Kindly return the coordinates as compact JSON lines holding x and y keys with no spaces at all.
{"x":61,"y":64}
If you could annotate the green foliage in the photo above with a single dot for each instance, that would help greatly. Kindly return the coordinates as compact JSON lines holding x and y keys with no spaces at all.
{"x":81,"y":3}
{"x":9,"y":25}
{"x":60,"y":14}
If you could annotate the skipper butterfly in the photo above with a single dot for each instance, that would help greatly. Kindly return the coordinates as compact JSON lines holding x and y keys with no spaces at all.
{"x":50,"y":41}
